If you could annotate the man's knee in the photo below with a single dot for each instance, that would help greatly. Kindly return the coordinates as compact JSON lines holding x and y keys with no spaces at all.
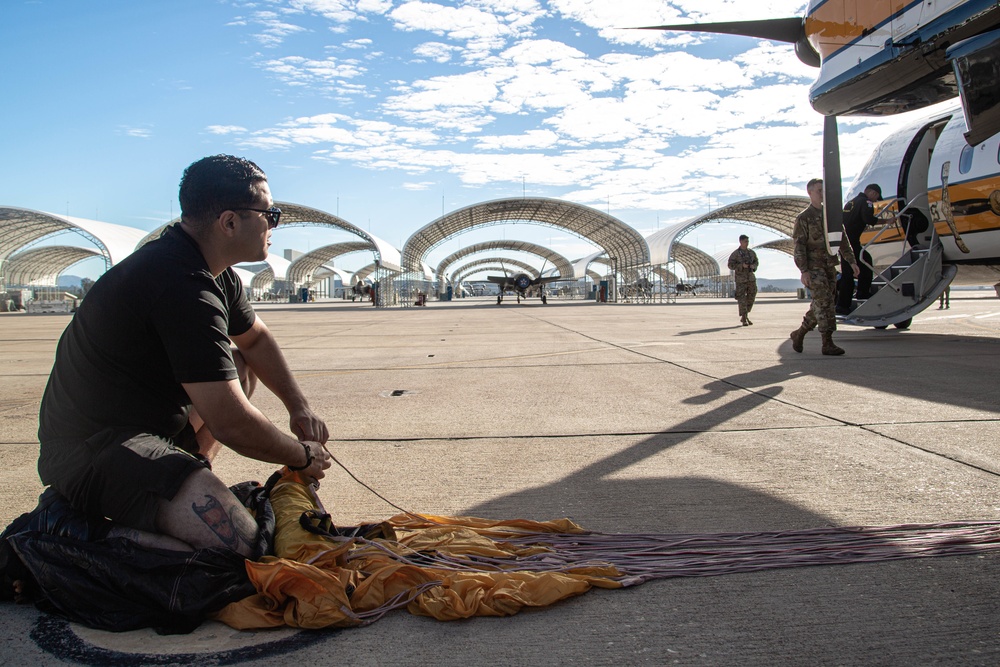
{"x":204,"y":513}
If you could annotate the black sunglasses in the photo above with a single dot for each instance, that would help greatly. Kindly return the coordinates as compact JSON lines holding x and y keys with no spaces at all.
{"x":273,"y":214}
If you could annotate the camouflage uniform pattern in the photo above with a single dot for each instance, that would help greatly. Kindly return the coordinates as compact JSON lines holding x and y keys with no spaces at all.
{"x":811,"y":257}
{"x":746,"y":281}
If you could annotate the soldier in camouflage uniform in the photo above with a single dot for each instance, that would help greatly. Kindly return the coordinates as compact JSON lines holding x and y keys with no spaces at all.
{"x":819,"y":270}
{"x":743,"y":262}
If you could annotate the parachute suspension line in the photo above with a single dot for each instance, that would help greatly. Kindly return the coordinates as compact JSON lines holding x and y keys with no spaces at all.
{"x":378,"y":495}
{"x":631,"y":559}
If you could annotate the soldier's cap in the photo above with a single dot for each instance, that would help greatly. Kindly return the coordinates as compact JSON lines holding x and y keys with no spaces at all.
{"x":875,"y":187}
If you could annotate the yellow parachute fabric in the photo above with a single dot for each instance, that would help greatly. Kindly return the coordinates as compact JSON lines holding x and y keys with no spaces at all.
{"x":426,"y":563}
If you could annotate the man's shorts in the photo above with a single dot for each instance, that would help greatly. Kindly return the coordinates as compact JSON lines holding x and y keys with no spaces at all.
{"x":127,"y":478}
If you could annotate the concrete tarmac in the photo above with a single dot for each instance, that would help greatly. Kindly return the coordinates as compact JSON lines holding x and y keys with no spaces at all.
{"x":627,"y":418}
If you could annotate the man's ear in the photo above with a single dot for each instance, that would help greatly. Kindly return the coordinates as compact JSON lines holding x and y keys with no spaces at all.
{"x":226,"y":222}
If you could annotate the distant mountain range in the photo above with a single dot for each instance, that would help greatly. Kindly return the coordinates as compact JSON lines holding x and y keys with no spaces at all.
{"x":69,"y":281}
{"x":779,"y":284}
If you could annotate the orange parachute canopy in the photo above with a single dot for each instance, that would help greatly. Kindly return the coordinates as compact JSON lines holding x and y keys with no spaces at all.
{"x":457,"y":567}
{"x":444,"y":567}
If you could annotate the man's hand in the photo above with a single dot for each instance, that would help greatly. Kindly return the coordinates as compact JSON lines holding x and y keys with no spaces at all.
{"x":306,"y":425}
{"x":805,"y":278}
{"x":856,"y":269}
{"x":321,"y":460}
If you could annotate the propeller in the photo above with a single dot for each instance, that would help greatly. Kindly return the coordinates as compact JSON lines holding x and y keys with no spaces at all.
{"x":833,"y":212}
{"x":790,"y":30}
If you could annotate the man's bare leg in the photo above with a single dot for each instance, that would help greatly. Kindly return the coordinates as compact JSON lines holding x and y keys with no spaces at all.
{"x":204,"y":513}
{"x":208,"y":446}
{"x":149,"y":540}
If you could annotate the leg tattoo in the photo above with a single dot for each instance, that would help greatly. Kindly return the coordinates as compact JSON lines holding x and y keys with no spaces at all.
{"x":227,"y":527}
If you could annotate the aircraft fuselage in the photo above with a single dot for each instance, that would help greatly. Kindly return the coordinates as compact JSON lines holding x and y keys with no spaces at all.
{"x":881,"y":57}
{"x":909,"y":166}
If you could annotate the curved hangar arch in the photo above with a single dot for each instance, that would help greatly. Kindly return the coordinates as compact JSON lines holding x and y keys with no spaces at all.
{"x":302,"y":269}
{"x":774,"y":213}
{"x":560,"y":263}
{"x":696,"y":263}
{"x":624,"y":246}
{"x":43,"y":265}
{"x":786,"y":246}
{"x":21,"y":227}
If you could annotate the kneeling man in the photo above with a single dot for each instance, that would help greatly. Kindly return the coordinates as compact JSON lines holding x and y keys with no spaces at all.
{"x":155,"y":369}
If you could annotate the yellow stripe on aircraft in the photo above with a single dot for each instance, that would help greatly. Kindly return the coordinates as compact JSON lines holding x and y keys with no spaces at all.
{"x":837,"y":23}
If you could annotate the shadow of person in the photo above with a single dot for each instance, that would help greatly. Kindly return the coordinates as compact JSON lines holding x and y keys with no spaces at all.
{"x":883,"y":362}
{"x":696,"y":332}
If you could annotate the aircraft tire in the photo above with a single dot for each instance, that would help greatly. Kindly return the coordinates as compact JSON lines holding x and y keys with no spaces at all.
{"x":883,"y":327}
{"x":905,"y":324}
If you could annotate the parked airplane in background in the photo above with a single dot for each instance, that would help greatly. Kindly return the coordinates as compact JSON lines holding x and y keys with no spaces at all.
{"x":687,"y":288}
{"x":520,"y":283}
{"x":885,"y":57}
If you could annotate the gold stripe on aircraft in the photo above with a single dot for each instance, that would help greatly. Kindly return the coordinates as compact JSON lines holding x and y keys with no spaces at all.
{"x":837,"y":23}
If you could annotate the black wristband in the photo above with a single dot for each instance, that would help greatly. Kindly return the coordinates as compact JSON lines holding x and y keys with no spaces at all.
{"x":309,"y":458}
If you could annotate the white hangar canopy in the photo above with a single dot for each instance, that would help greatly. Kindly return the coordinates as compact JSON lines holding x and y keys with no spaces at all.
{"x":774,"y":213}
{"x":560,"y":263}
{"x":621,"y":243}
{"x":21,"y":229}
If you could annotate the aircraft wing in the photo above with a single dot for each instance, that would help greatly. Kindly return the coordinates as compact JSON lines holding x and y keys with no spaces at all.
{"x":499,"y":280}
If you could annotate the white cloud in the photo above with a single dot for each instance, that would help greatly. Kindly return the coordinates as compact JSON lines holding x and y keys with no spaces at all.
{"x":357,"y":44}
{"x":436,"y":51}
{"x":274,"y":30}
{"x":328,"y":73}
{"x":491,"y":104}
{"x":530,"y":140}
{"x":483,"y":25}
{"x":225,"y":129}
{"x":416,"y":187}
{"x":140,"y":132}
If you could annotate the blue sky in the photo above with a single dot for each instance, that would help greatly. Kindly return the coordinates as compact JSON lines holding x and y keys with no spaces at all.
{"x":388,"y":112}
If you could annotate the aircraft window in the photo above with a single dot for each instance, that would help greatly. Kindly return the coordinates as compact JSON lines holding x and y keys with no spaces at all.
{"x":965,"y":161}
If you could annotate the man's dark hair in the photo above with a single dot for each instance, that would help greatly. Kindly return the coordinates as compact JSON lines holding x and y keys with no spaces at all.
{"x":744,"y":236}
{"x":813,"y":182}
{"x":219,"y":183}
{"x":875,"y":187}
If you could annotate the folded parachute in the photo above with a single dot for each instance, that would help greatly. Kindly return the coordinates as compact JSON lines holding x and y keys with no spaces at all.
{"x":448,"y":568}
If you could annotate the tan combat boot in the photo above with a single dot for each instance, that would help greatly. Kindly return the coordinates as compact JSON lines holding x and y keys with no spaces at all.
{"x":797,"y":337}
{"x":829,"y":347}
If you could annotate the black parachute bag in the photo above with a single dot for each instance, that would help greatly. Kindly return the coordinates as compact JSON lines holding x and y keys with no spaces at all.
{"x":113,"y":583}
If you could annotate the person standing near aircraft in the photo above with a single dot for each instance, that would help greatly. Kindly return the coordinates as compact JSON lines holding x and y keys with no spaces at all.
{"x":146,"y":386}
{"x":859,"y":214}
{"x":743,"y":262}
{"x":819,"y":270}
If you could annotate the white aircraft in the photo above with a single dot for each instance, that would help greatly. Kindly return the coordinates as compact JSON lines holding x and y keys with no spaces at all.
{"x":884,"y":57}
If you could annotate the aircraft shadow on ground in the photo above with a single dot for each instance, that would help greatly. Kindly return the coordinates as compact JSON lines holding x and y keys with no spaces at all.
{"x":658,"y":505}
{"x":888,"y":362}
{"x":960,"y":373}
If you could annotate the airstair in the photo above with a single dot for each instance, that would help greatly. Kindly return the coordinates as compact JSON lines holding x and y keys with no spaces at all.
{"x":906,"y":287}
